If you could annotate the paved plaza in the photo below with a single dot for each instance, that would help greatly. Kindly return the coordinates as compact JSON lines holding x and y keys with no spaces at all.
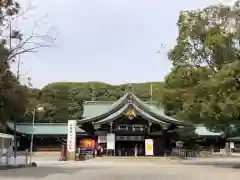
{"x":123,"y":169}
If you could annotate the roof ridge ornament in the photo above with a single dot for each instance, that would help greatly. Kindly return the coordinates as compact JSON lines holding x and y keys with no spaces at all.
{"x":129,"y":91}
{"x":131,"y":113}
{"x":129,"y":88}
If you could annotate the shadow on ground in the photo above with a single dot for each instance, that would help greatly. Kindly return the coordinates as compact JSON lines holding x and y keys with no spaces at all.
{"x":39,"y":172}
{"x":220,"y":164}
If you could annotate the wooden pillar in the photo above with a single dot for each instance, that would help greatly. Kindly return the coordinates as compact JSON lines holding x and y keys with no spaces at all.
{"x":71,"y":140}
{"x":164,"y":140}
{"x":149,"y":127}
{"x":111,"y":151}
{"x":111,"y":127}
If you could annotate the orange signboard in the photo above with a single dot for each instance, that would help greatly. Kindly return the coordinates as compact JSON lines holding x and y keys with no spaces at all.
{"x":87,"y":143}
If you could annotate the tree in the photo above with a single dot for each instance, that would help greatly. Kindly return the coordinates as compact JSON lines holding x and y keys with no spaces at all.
{"x":75,"y":105}
{"x":61,"y":103}
{"x":207,"y":37}
{"x":64,"y":100}
{"x":204,"y":83}
{"x":14,"y":96}
{"x":12,"y":37}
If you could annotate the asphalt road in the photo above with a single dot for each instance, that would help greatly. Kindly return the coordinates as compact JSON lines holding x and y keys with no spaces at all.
{"x":121,"y":170}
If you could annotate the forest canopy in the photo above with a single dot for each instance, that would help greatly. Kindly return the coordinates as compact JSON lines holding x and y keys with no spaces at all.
{"x":204,"y":84}
{"x":64,"y":100}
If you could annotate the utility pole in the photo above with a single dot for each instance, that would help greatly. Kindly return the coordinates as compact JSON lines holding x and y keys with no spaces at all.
{"x":14,"y":117}
{"x":31,"y":143}
{"x":14,"y":109}
{"x":93,"y":92}
{"x":18,"y":79}
{"x":151,"y":92}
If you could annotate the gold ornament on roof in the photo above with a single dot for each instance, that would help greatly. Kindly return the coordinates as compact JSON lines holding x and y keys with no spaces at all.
{"x":131,"y":113}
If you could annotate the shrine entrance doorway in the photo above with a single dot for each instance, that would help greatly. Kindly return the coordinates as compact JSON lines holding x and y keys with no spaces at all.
{"x":130,"y":146}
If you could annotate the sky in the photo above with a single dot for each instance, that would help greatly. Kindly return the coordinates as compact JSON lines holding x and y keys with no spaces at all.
{"x":112,"y":41}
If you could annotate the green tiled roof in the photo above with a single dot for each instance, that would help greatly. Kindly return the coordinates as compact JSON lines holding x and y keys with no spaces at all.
{"x":96,"y":108}
{"x":113,"y":116}
{"x":61,"y":129}
{"x":93,"y":109}
{"x":149,"y":117}
{"x":237,"y":139}
{"x":118,"y":113}
{"x":156,"y":112}
{"x":201,"y":130}
{"x":96,"y":111}
{"x":43,"y":128}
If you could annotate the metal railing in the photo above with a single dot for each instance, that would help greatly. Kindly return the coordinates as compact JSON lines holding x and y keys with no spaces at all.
{"x":22,"y":158}
{"x":188,"y":153}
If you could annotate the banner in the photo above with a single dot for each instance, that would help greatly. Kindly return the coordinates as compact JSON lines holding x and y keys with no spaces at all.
{"x":149,"y":147}
{"x":71,"y":137}
{"x":87,"y":144}
{"x":111,"y":141}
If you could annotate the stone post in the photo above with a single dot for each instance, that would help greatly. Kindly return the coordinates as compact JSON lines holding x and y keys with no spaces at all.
{"x":71,"y":140}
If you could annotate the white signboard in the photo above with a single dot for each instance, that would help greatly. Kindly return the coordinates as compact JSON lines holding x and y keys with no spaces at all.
{"x":232,"y":145}
{"x":71,"y":138}
{"x":148,"y":147}
{"x":102,"y":139}
{"x":111,"y":141}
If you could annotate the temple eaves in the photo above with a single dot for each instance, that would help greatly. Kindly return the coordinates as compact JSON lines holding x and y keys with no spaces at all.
{"x":129,"y":98}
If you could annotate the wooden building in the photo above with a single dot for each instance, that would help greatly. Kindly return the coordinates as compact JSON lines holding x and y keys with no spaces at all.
{"x":132,"y":121}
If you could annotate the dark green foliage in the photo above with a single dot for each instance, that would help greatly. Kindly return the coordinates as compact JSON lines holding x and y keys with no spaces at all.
{"x":204,"y":84}
{"x":64,"y":100}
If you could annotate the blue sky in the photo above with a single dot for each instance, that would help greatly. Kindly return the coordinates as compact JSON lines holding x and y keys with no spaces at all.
{"x":114,"y":41}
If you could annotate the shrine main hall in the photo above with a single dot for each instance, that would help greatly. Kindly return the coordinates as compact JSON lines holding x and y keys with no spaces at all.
{"x":131,"y":121}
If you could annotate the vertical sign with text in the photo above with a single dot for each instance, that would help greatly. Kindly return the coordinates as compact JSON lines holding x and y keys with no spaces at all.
{"x":71,"y":138}
{"x":111,"y":141}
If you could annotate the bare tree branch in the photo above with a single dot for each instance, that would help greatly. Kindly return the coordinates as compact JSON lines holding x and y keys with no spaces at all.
{"x":28,"y":44}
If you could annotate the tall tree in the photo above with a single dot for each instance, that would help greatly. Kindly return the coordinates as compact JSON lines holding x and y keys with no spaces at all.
{"x":207,"y":37}
{"x":12,"y":44}
{"x":13,"y":94}
{"x":203,"y":84}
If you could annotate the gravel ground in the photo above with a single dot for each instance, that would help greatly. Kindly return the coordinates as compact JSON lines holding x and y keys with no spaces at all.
{"x":129,"y":169}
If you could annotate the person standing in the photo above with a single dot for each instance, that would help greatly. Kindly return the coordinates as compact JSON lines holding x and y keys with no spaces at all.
{"x":135,"y":150}
{"x":100,"y":150}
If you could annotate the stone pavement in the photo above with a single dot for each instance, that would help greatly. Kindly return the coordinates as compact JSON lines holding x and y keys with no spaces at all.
{"x":222,"y":161}
{"x":128,"y":169}
{"x":142,"y":161}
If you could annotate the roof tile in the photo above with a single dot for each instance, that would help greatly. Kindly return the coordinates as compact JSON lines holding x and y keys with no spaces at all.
{"x":43,"y":128}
